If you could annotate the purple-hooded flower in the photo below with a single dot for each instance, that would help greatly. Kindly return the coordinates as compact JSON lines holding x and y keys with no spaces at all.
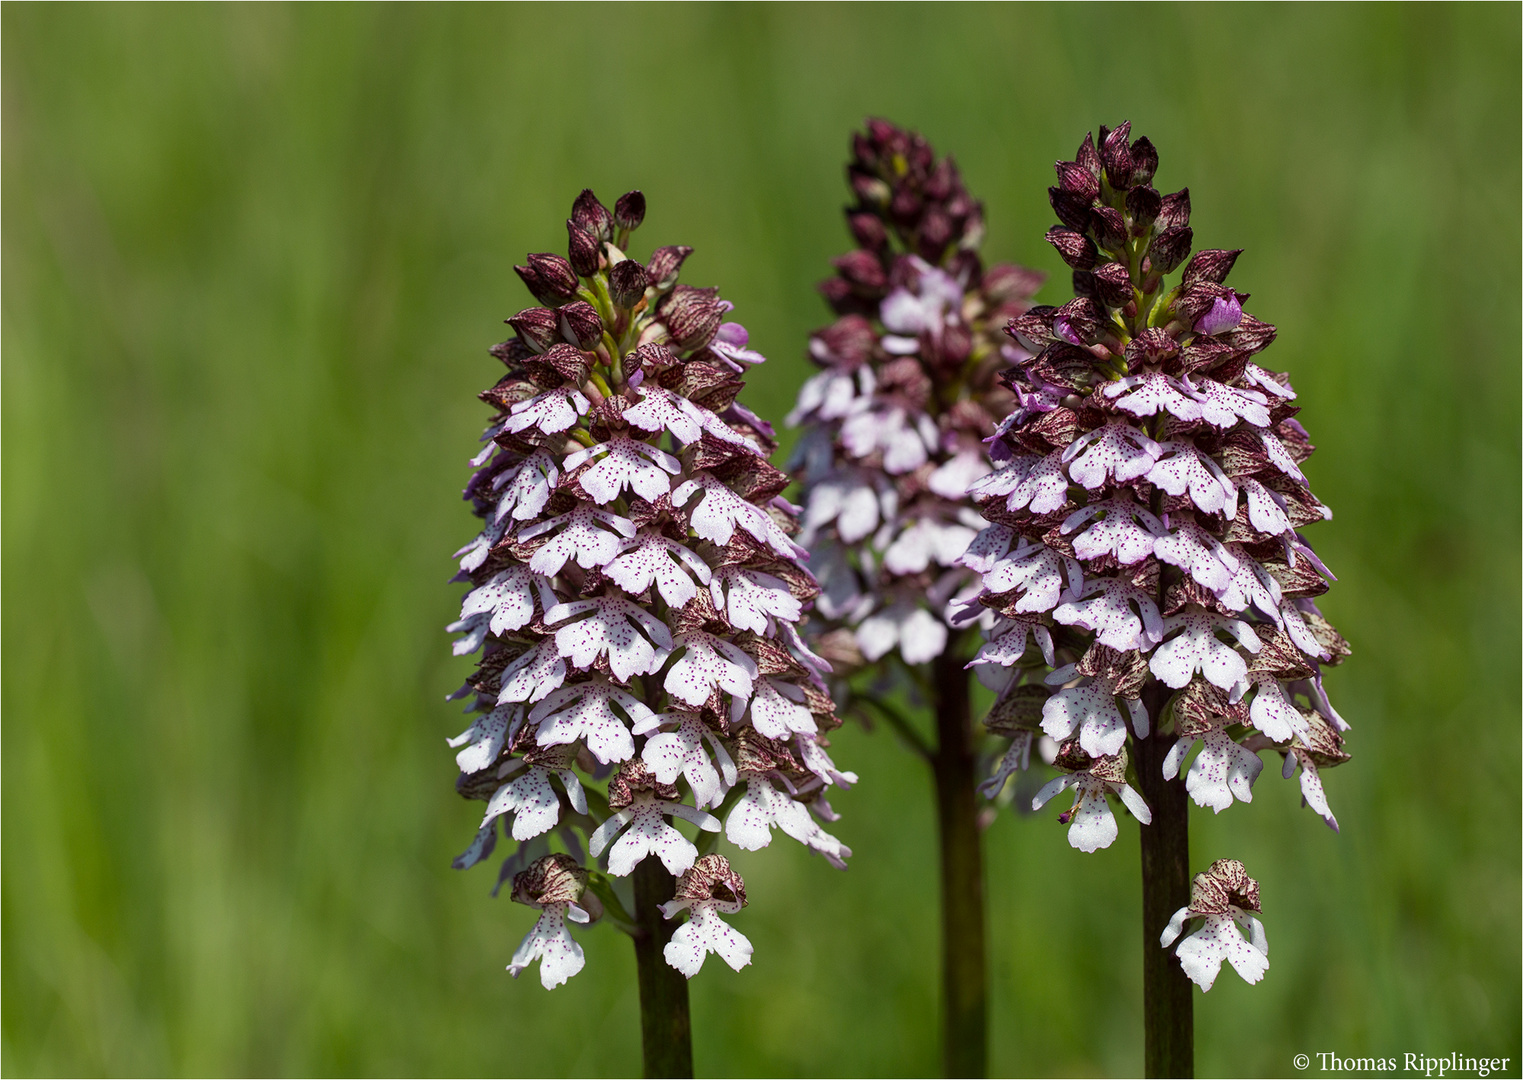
{"x":1144,"y":517}
{"x":632,"y":597}
{"x":707,"y":890}
{"x":554,"y":884}
{"x":1091,"y":824}
{"x":1224,"y":898}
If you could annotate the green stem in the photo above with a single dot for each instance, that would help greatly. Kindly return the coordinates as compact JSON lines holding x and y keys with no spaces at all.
{"x":666,"y":1028}
{"x":1168,"y":1008}
{"x":965,"y":983}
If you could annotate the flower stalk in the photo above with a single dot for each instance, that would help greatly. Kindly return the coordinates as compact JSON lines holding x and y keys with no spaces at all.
{"x":666,"y":1025}
{"x":893,"y":435}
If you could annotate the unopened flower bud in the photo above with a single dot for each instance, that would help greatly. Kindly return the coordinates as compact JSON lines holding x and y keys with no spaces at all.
{"x":1109,"y":227}
{"x":869,"y":189}
{"x":580,"y":325}
{"x":626,"y":283}
{"x":1072,"y":209}
{"x":1175,"y":210}
{"x":569,"y":362}
{"x":935,"y":234}
{"x":1078,"y":180}
{"x":1144,"y":161}
{"x":1113,"y":285}
{"x":1169,"y":248}
{"x":1210,"y":265}
{"x":1088,"y":156}
{"x":665,"y":264}
{"x":537,"y":327}
{"x":556,"y":281}
{"x":592,"y":216}
{"x":1143,"y":205}
{"x":863,"y":270}
{"x":1116,"y":154}
{"x":868,"y":230}
{"x":629,"y":211}
{"x":1076,"y":249}
{"x":583,"y":249}
{"x":692,"y":316}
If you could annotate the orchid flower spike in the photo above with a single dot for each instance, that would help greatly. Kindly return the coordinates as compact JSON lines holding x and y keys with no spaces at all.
{"x":634,"y":596}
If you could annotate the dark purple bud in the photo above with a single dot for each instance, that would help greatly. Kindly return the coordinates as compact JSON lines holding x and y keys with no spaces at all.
{"x":1175,"y":210}
{"x":862,"y":150}
{"x":863,"y":270}
{"x":530,"y":277}
{"x":1252,"y":335}
{"x":1142,"y":206}
{"x":557,"y":281}
{"x":1170,"y":247}
{"x":627,"y":282}
{"x":692,"y":316}
{"x":1196,"y":299}
{"x":592,"y":216}
{"x":1109,"y":227}
{"x":1152,"y":346}
{"x":905,"y":205}
{"x":1144,"y":161}
{"x":837,"y":293}
{"x":1082,"y":317}
{"x":1116,"y":154}
{"x":870,"y":190}
{"x":1076,"y":178}
{"x":868,"y":230}
{"x":629,"y":211}
{"x":580,"y":325}
{"x":1113,"y":285}
{"x":1005,"y":282}
{"x":943,"y":181}
{"x":650,"y":357}
{"x":583,"y":249}
{"x":1210,"y":265}
{"x":1087,"y":157}
{"x":665,"y":264}
{"x":569,"y":362}
{"x":935,"y":235}
{"x":1035,"y":326}
{"x":1072,"y":209}
{"x":882,"y":133}
{"x":1065,"y":817}
{"x":537,"y":327}
{"x":1077,"y":250}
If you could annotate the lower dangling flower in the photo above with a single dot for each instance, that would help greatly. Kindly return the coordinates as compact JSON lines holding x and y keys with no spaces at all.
{"x":1223,"y":898}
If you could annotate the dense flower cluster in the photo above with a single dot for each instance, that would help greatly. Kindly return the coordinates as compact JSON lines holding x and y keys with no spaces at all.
{"x":634,"y":595}
{"x":1144,"y":542}
{"x":895,"y":423}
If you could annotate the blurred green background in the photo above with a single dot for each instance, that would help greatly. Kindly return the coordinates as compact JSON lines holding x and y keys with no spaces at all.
{"x":253,"y":258}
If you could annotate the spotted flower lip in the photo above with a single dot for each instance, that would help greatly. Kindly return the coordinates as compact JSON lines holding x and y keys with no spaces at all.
{"x":1225,"y":898}
{"x":895,"y":422}
{"x":633,"y":598}
{"x":1143,"y":514}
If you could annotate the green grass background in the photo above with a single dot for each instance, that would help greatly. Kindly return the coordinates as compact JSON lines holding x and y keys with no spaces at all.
{"x":253,"y":257}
